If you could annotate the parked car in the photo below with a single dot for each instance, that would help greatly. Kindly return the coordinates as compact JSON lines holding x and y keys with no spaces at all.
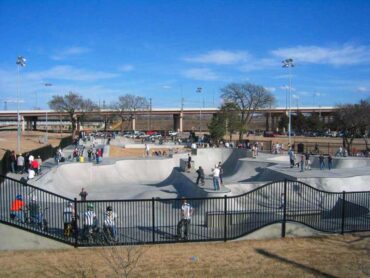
{"x":172,"y":133}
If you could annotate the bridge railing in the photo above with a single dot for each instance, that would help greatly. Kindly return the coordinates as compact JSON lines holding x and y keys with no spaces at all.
{"x":160,"y":220}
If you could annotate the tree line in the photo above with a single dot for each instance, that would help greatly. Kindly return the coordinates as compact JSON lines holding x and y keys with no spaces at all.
{"x":240,"y":101}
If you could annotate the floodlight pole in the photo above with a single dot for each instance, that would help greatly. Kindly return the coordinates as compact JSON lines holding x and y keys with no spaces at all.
{"x":21,"y":62}
{"x":288,"y":63}
{"x":199,"y":90}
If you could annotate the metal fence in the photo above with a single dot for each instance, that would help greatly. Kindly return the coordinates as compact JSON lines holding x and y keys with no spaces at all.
{"x":156,"y":220}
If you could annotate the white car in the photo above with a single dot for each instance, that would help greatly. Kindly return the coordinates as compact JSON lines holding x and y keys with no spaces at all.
{"x":172,"y":133}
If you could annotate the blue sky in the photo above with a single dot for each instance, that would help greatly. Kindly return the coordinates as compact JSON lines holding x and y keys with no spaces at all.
{"x":164,"y":50}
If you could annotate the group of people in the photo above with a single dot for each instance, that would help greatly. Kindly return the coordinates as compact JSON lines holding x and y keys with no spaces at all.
{"x":26,"y":212}
{"x":28,"y":163}
{"x":304,"y":162}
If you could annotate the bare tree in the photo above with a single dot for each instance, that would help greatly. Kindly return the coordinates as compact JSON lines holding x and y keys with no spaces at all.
{"x":354,"y":121}
{"x":247,"y":98}
{"x":75,"y":105}
{"x":128,"y":105}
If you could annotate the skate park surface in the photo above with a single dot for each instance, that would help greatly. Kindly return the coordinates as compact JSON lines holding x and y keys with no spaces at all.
{"x":162,"y":177}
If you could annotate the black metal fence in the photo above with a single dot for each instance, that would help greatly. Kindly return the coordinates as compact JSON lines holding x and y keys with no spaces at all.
{"x":156,"y":220}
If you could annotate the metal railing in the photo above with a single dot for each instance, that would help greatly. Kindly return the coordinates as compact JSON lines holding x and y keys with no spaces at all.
{"x":216,"y":218}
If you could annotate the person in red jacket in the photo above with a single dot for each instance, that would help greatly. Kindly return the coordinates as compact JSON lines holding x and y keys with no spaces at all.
{"x":16,"y":209}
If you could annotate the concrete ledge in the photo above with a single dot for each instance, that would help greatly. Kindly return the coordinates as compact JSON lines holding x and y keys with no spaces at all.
{"x":292,"y":230}
{"x":16,"y":239}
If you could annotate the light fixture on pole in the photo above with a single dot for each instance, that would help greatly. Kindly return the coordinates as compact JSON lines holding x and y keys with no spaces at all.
{"x":199,"y":90}
{"x":288,"y":63}
{"x":46,"y":119}
{"x":21,"y":62}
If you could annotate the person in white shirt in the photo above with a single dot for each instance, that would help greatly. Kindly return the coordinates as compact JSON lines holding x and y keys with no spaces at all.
{"x":110,"y":223}
{"x":69,"y":218}
{"x":31,"y":174}
{"x":216,"y":178}
{"x":186,"y":213}
{"x":90,"y":220}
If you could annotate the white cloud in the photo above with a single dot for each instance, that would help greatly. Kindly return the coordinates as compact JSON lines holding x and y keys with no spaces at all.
{"x":167,"y":87}
{"x":345,"y":55}
{"x":363,"y":89}
{"x":68,"y":52}
{"x":260,"y":64}
{"x":270,"y":89}
{"x":126,"y":68}
{"x":204,"y":74}
{"x":219,"y":57}
{"x":70,"y":73}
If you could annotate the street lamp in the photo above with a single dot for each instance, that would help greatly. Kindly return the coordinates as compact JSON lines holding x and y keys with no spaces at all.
{"x":199,"y":90}
{"x":288,"y":63}
{"x":47,"y":124}
{"x":21,"y":62}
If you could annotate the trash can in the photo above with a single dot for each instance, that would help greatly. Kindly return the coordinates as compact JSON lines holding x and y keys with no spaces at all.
{"x":82,"y":159}
{"x":194,"y":151}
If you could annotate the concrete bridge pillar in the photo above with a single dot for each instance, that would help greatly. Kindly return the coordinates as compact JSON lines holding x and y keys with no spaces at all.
{"x":133,"y":123}
{"x":22,"y":123}
{"x":177,"y":122}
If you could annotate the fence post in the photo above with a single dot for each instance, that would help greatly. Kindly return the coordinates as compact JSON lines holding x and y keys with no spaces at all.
{"x":225,"y":220}
{"x":283,"y":224}
{"x":153,"y":221}
{"x":74,"y":223}
{"x":343,"y":211}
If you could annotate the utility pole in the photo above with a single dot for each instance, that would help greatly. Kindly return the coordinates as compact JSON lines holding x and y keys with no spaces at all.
{"x":150,"y":113}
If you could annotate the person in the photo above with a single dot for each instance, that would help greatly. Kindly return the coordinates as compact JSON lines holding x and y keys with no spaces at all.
{"x":31,"y":173}
{"x":20,"y":164}
{"x":39,"y":161}
{"x":35,"y":166}
{"x":147,"y":150}
{"x":13,"y":162}
{"x":330,"y":162}
{"x":69,"y":218}
{"x":219,"y":166}
{"x":282,"y":200}
{"x":83,"y":194}
{"x":200,"y":177}
{"x":17,"y":209}
{"x":216,"y":177}
{"x":186,"y":213}
{"x":90,"y":220}
{"x":89,"y":154}
{"x":110,"y":223}
{"x":321,"y":162}
{"x":308,"y":161}
{"x":35,"y":216}
{"x":302,"y":162}
{"x":189,"y":163}
{"x":291,"y":157}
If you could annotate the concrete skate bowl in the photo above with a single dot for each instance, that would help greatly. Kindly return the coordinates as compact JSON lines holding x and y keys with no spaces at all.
{"x":338,"y":184}
{"x":135,"y":178}
{"x":343,"y":162}
{"x":320,"y":210}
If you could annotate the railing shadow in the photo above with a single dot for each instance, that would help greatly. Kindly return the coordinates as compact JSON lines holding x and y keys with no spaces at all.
{"x":308,"y":269}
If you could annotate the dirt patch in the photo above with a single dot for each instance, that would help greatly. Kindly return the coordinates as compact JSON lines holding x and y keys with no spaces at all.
{"x":30,"y":140}
{"x":116,"y":151}
{"x":333,"y":256}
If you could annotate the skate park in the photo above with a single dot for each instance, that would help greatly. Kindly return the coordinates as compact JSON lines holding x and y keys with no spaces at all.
{"x":249,"y":201}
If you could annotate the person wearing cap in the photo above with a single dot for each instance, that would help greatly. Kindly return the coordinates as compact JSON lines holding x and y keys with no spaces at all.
{"x":110,"y":223}
{"x":90,"y":220}
{"x":17,"y":209}
{"x":186,"y":213}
